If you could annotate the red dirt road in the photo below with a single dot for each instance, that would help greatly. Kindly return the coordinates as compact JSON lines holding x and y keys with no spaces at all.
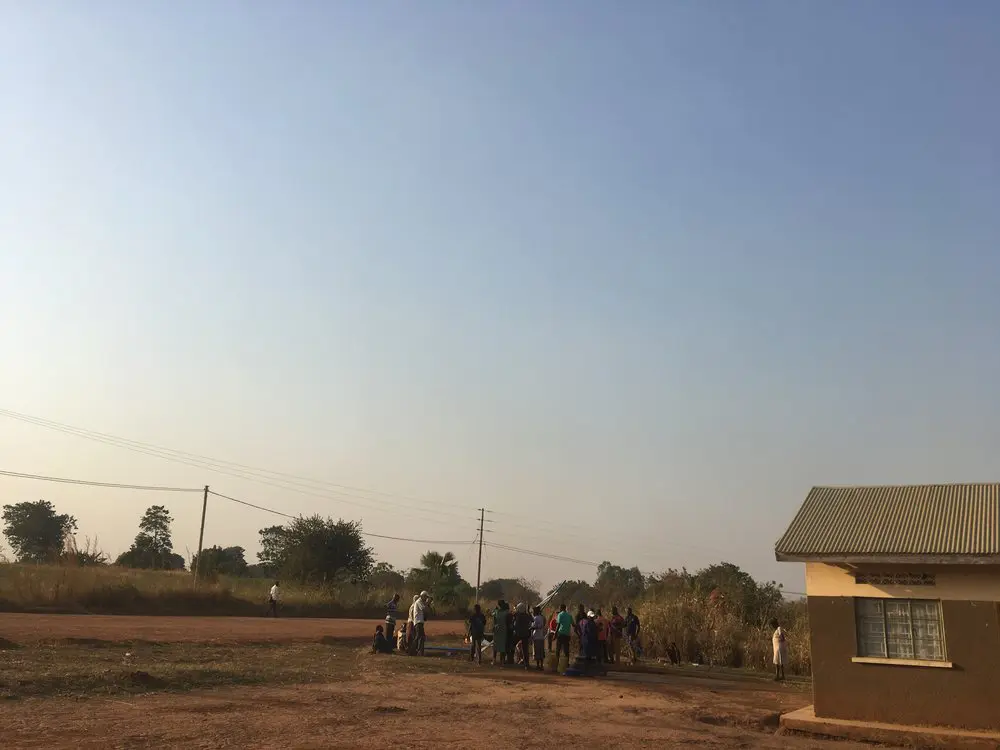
{"x":27,"y":628}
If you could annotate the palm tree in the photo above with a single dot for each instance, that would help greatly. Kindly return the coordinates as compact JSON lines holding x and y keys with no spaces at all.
{"x":440,"y":567}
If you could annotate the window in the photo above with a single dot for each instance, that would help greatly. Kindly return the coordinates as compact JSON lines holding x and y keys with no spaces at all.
{"x":900,"y":629}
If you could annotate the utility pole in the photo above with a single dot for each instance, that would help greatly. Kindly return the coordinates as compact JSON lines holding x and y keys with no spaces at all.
{"x":479,"y":567}
{"x":201,"y":535}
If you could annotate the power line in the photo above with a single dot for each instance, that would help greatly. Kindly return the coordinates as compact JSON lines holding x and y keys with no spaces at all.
{"x":363,"y":533}
{"x":41,"y":421}
{"x":222,"y":467}
{"x":546,"y":555}
{"x":114,"y":485}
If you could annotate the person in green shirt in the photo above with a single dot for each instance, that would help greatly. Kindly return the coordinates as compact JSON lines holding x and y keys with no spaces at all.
{"x":564,"y":629}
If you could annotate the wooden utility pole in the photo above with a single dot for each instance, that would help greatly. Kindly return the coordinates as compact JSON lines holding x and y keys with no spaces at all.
{"x":479,"y":567}
{"x":201,"y":535}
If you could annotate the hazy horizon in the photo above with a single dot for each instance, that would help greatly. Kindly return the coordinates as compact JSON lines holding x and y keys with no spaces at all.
{"x":635,"y":278}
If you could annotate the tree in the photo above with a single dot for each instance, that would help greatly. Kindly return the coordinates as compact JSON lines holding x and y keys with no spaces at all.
{"x":618,"y":585}
{"x":229,"y":561}
{"x":514,"y":590}
{"x":35,"y":531}
{"x":439,"y":574}
{"x":317,"y":549}
{"x":384,"y":576}
{"x":152,"y":547}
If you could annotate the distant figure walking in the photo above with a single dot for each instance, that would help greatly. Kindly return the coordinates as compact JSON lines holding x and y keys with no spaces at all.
{"x":779,"y":642}
{"x":272,"y":600}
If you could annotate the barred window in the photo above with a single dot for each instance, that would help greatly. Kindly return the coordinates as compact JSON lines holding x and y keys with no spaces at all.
{"x":900,"y":628}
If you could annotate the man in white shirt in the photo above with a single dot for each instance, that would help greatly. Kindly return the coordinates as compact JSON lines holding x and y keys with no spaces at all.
{"x":419,"y":618}
{"x":272,"y":600}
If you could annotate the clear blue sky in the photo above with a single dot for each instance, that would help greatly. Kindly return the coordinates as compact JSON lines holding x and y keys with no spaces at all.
{"x":652,"y":270}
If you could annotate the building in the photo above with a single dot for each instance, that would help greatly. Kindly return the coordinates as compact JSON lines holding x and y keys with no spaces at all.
{"x":903,"y":587}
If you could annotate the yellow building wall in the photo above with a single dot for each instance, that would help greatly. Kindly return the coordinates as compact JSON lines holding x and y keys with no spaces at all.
{"x":952,"y":582}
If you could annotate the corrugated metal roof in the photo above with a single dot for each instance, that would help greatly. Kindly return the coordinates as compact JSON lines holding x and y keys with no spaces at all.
{"x":943,"y":520}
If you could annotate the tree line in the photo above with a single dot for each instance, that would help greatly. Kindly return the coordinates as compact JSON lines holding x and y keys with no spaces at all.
{"x":322,"y":552}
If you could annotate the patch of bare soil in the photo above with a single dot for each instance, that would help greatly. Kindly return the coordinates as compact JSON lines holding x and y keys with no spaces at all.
{"x":423,"y":703}
{"x":94,"y":629}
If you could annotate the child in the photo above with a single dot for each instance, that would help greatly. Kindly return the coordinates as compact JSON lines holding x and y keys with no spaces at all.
{"x":401,"y":640}
{"x":380,"y":644}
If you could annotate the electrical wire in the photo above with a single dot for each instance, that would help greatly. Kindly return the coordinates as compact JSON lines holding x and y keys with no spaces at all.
{"x":363,"y":533}
{"x":41,"y":421}
{"x":113,"y":485}
{"x":546,"y":555}
{"x":225,"y":467}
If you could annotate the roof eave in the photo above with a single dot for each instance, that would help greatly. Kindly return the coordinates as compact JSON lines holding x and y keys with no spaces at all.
{"x":849,"y":559}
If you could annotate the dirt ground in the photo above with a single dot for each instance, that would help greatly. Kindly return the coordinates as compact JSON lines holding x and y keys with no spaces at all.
{"x":28,"y":628}
{"x":363,"y":701}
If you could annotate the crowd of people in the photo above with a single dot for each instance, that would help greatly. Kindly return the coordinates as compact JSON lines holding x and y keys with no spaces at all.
{"x":519,"y":637}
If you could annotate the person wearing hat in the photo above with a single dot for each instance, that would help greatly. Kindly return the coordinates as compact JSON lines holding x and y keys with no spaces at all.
{"x":419,"y":618}
{"x":410,"y":625}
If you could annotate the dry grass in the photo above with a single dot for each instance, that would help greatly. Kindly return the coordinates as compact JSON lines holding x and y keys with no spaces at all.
{"x":116,"y":590}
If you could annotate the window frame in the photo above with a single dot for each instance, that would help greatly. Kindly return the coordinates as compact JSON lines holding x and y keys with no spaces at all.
{"x":914,"y":660}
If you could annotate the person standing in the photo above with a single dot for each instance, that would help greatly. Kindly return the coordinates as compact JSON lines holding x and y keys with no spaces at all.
{"x":391,"y":610}
{"x":538,"y":633}
{"x":633,"y":628}
{"x":522,"y":632}
{"x":564,"y":631}
{"x":779,"y":642}
{"x":552,"y":631}
{"x":617,"y":627}
{"x":500,"y":633}
{"x":477,"y":631}
{"x":272,"y":600}
{"x":602,"y":636}
{"x":410,"y":626}
{"x":419,"y":618}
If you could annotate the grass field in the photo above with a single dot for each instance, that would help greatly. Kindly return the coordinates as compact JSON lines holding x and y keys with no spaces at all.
{"x":123,"y":591}
{"x":224,"y":685}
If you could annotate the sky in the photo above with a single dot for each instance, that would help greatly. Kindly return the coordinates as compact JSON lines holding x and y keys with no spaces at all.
{"x":632,"y":276}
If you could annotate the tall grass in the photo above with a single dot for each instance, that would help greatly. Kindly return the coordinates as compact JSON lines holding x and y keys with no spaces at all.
{"x":116,"y":590}
{"x":707,"y":632}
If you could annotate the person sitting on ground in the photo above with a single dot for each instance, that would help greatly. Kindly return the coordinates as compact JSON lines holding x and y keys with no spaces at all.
{"x":381,"y":644}
{"x":477,"y":632}
{"x":538,"y":633}
{"x":779,"y":643}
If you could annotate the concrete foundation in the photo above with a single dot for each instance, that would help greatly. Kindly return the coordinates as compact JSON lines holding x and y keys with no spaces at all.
{"x":804,"y":720}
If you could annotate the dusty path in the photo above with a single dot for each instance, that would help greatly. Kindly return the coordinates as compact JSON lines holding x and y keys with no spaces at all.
{"x":28,"y":628}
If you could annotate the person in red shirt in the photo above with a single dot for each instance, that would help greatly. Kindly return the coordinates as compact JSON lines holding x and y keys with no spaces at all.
{"x":552,"y":630}
{"x":603,"y":626}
